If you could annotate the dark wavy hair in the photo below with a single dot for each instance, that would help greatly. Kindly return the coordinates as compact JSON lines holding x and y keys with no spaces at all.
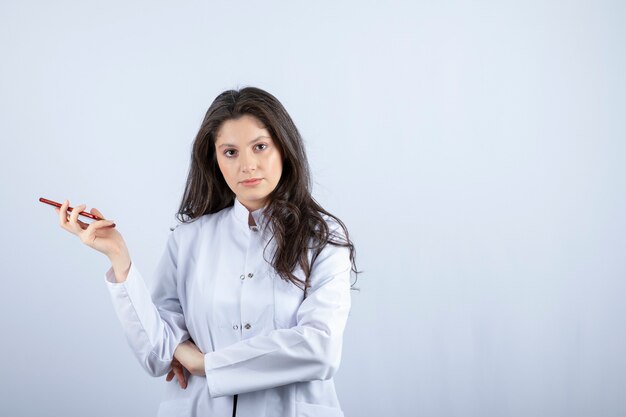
{"x":296,"y":217}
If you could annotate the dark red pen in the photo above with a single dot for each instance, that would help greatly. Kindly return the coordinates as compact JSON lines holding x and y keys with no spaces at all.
{"x":82,"y":213}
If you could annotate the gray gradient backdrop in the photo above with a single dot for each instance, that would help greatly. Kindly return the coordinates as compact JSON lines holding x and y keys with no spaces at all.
{"x":475,"y":150}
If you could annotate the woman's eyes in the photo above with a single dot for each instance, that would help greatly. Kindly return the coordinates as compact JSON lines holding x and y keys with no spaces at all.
{"x":233,"y":150}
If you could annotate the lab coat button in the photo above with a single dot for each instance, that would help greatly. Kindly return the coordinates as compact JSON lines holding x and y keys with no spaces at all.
{"x":235,"y":327}
{"x":242,"y":277}
{"x":247,"y":326}
{"x":250,"y":275}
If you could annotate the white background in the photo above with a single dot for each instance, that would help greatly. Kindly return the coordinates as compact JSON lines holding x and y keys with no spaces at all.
{"x":474,"y":149}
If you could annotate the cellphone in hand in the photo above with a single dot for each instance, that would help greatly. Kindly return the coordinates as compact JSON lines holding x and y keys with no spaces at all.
{"x":82,"y":213}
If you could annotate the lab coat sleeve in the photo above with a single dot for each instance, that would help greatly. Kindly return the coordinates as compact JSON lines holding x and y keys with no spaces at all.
{"x":153,"y":322}
{"x":309,"y":351}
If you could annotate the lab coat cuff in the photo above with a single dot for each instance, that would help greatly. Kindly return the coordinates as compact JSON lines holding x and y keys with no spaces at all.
{"x":133,"y":287}
{"x":209,"y":371}
{"x":109,"y":276}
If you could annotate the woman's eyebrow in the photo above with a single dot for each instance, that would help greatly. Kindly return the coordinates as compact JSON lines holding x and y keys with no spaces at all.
{"x":249,"y":143}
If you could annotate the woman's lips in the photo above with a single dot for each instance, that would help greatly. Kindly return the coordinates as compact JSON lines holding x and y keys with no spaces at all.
{"x":251,"y":183}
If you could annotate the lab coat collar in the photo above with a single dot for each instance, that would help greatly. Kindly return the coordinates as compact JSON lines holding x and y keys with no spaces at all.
{"x":241,"y":215}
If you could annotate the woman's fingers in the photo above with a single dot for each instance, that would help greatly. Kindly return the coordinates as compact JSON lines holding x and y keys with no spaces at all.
{"x":98,"y":224}
{"x":65,"y":218}
{"x":180,"y":375}
{"x":178,"y":371}
{"x":63,"y":213}
{"x":74,"y":217}
{"x":82,"y":225}
{"x":70,"y":222}
{"x":97,"y":213}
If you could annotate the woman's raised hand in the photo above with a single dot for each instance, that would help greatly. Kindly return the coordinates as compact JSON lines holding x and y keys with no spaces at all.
{"x":98,"y":235}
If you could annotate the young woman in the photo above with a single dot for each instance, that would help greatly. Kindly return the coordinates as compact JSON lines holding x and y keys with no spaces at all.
{"x":252,"y":293}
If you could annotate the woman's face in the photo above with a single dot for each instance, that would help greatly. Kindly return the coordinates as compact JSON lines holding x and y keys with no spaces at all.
{"x":245,"y":150}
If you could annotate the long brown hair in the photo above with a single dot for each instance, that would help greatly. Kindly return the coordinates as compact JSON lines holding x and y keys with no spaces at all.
{"x":295,"y":216}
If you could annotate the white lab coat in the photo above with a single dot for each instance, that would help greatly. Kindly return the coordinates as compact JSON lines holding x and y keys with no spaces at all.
{"x":262,"y":340}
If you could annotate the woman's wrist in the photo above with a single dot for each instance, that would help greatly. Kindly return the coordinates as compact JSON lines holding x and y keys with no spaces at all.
{"x":200,"y":366}
{"x":121,"y":265}
{"x":192,"y":358}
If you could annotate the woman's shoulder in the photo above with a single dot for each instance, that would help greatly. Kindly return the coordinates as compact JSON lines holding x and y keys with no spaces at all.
{"x":192,"y":227}
{"x":334,"y":257}
{"x":335,"y":226}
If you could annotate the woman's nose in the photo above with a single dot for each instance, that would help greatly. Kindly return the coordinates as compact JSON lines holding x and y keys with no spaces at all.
{"x":248,"y":162}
